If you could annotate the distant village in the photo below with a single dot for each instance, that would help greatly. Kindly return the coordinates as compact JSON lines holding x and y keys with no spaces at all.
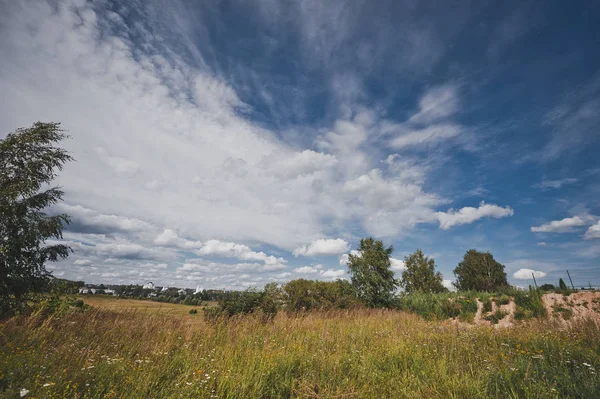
{"x":188,"y":296}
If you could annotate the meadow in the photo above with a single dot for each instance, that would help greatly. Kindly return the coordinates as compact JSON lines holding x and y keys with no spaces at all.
{"x":129,"y":352}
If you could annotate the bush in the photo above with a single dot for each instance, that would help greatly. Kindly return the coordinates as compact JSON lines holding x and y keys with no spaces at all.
{"x":487,"y":306}
{"x":502,"y":300}
{"x":193,"y":311}
{"x":496,"y":316}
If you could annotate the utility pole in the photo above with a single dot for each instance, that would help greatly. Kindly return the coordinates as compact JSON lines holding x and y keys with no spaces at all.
{"x":569,"y":274}
{"x":534,"y":282}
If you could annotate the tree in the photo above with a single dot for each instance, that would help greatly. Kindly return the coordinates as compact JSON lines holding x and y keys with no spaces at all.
{"x":479,"y":271}
{"x":561,"y":285}
{"x":372,"y":277}
{"x":420,"y":274}
{"x":28,"y":163}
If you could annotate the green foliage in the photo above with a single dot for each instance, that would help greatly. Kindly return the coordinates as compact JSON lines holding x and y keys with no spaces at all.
{"x":439,"y":306}
{"x":305,"y":295}
{"x":420,"y":274}
{"x":529,"y":303}
{"x":547,"y":287}
{"x":29,"y":162}
{"x":233,"y":303}
{"x":502,"y":300}
{"x":496,"y":316}
{"x":193,"y":311}
{"x":562,"y":286}
{"x":372,"y":276}
{"x":487,"y":306}
{"x":479,"y":271}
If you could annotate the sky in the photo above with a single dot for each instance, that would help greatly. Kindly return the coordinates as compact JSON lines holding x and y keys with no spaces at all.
{"x":229,"y":144}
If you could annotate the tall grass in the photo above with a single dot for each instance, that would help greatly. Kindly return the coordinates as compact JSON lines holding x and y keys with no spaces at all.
{"x":338,"y":354}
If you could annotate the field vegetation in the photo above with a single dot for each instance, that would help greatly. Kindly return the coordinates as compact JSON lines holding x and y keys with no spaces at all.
{"x":100,"y":353}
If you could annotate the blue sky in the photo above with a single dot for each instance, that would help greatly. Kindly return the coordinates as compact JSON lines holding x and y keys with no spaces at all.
{"x":234,"y":143}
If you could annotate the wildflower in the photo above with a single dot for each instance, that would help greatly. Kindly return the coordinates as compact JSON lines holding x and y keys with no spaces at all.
{"x":48,"y":384}
{"x":23,"y":392}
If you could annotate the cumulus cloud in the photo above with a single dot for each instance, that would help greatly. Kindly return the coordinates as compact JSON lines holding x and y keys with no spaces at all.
{"x":83,"y":262}
{"x":542,"y":243}
{"x":559,"y":226}
{"x":344,"y":257}
{"x":593,"y":232}
{"x":449,"y":284}
{"x":469,"y":214}
{"x":216,"y":248}
{"x":397,"y":264}
{"x":308,"y":269}
{"x":525,"y":274}
{"x":323,"y":247}
{"x":331,"y":273}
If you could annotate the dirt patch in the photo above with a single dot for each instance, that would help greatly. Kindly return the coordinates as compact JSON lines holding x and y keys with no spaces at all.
{"x":565,"y":309}
{"x":577,"y":306}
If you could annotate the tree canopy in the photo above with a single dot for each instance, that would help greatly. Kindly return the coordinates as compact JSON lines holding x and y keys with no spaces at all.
{"x":372,"y":276}
{"x":479,"y":271}
{"x":29,"y":161}
{"x":420,"y":274}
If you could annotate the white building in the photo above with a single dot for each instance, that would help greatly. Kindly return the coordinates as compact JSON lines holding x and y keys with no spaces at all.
{"x":149,"y":286}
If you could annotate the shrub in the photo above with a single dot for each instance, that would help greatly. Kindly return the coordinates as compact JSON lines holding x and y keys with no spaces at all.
{"x":487,"y":306}
{"x":502,"y":300}
{"x":496,"y":316}
{"x":193,"y":311}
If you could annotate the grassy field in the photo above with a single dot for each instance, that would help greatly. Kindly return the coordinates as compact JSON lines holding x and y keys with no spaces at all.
{"x":143,"y":307}
{"x":139,"y":353}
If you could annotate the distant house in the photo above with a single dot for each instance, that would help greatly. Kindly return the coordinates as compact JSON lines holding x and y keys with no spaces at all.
{"x":149,"y":286}
{"x":164,"y":289}
{"x":109,"y":292}
{"x":84,"y":291}
{"x":181,"y":292}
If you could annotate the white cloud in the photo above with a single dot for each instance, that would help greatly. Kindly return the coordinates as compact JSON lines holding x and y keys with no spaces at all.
{"x":88,"y":220}
{"x":559,"y":226}
{"x":170,"y":238}
{"x":331,"y":273}
{"x":397,"y":264}
{"x":344,"y":257}
{"x":542,"y":244}
{"x":83,"y":262}
{"x":469,"y":214}
{"x":555,"y":184}
{"x":216,"y":248}
{"x":308,"y":269}
{"x":438,"y":103}
{"x":525,"y":274}
{"x":448,"y":284}
{"x":323,"y":246}
{"x":593,"y":231}
{"x":428,"y":135}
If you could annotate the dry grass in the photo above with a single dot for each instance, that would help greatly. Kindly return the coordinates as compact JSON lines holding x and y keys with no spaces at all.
{"x":360,"y":354}
{"x":144,"y":307}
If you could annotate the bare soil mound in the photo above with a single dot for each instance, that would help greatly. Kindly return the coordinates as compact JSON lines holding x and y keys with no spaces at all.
{"x":573,"y":307}
{"x":563,"y":308}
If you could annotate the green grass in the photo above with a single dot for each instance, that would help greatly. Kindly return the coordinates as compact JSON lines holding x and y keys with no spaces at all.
{"x":341,"y":354}
{"x":496,"y":316}
{"x":442,"y":306}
